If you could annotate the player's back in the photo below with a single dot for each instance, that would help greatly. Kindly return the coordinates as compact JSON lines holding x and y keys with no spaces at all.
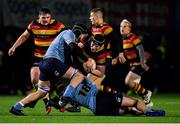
{"x":59,"y":44}
{"x":85,"y":94}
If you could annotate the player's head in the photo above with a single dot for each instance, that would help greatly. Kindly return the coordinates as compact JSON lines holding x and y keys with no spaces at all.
{"x":45,"y":16}
{"x":125,"y":27}
{"x":79,"y":29}
{"x":96,"y":16}
{"x":96,"y":42}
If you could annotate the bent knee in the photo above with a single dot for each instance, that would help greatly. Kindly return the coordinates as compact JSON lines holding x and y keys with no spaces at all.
{"x":35,"y":75}
{"x":43,"y":90}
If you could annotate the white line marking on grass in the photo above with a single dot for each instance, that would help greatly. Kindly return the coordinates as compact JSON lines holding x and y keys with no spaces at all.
{"x":172,"y":103}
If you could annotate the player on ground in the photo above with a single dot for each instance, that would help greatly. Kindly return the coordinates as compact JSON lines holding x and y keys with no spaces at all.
{"x":105,"y":103}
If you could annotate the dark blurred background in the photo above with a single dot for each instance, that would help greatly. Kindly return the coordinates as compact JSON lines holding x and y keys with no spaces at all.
{"x":156,"y":21}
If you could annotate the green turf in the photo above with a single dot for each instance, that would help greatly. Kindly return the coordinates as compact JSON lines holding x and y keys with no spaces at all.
{"x":168,"y":102}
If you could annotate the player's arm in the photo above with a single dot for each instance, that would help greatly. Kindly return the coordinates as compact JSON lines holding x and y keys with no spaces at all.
{"x":142,"y":56}
{"x":18,"y":42}
{"x":117,"y":48}
{"x":99,"y":71}
{"x":76,"y":51}
{"x":115,"y":43}
{"x":141,"y":53}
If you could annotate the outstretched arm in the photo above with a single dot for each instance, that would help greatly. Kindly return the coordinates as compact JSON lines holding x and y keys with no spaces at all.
{"x":19,"y":41}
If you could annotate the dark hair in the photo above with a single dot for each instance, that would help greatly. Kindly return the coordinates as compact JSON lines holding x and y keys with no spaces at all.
{"x":98,"y":39}
{"x":44,"y":11}
{"x":79,"y":29}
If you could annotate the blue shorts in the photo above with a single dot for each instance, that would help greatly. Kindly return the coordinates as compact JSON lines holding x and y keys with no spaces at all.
{"x":52,"y":69}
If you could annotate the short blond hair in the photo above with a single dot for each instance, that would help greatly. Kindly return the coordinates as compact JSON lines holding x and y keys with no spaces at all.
{"x":97,"y":11}
{"x":128,"y":22}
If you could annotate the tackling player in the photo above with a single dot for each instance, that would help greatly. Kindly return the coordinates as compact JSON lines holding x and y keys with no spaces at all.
{"x":54,"y":66}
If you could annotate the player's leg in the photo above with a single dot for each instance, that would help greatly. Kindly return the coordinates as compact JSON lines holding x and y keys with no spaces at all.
{"x":133,"y":81}
{"x":74,"y":108}
{"x":54,"y":102}
{"x":76,"y":78}
{"x":43,"y":88}
{"x":130,"y":102}
{"x":35,"y":72}
{"x":140,"y":107}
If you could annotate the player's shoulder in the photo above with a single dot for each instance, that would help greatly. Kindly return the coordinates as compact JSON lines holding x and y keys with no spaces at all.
{"x":33,"y":23}
{"x":134,"y":36}
{"x":68,"y":33}
{"x":57,"y":23}
{"x":105,"y":25}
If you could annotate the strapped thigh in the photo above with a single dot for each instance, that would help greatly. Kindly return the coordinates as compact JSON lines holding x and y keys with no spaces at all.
{"x":74,"y":72}
{"x":43,"y":89}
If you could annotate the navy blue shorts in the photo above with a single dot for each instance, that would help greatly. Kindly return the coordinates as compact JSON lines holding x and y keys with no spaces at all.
{"x":108,"y":103}
{"x":137,"y":69}
{"x":52,"y":69}
{"x":36,"y":60}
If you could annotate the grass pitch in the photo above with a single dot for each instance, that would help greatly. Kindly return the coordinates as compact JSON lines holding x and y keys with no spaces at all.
{"x":169,"y":102}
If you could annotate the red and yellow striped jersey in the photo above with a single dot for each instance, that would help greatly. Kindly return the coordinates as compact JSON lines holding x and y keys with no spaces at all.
{"x":44,"y":35}
{"x":130,"y":51}
{"x":103,"y":29}
{"x":103,"y":53}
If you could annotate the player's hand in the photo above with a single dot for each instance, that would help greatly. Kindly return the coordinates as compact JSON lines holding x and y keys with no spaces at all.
{"x":114,"y":61}
{"x":122,"y":59}
{"x":89,"y":65}
{"x":11,"y":51}
{"x":144,"y":66}
{"x":81,"y":45}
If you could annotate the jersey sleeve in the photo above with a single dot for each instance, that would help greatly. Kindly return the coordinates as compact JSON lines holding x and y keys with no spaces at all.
{"x":107,"y":29}
{"x":60,"y":26}
{"x":29,"y":27}
{"x":136,"y":41}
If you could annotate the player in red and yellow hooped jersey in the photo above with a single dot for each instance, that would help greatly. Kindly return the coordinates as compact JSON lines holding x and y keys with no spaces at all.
{"x":44,"y":30}
{"x":112,"y":42}
{"x":134,"y":54}
{"x":102,"y":59}
{"x":129,"y":44}
{"x":43,"y":35}
{"x":101,"y":27}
